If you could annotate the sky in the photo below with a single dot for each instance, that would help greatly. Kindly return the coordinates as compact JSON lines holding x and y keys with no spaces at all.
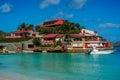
{"x":102,"y":16}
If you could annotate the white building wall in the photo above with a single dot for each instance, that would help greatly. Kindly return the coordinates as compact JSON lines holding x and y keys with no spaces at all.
{"x":88,"y":32}
{"x":77,"y":45}
{"x":95,"y":44}
{"x":37,"y":35}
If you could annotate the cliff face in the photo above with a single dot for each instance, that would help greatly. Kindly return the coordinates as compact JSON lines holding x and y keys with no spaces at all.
{"x":117,"y":43}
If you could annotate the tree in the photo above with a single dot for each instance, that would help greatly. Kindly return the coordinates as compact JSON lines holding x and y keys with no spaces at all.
{"x":23,"y":26}
{"x":77,"y":26}
{"x":37,"y":28}
{"x":37,"y":41}
{"x":30,"y":27}
{"x":46,"y":30}
{"x":69,"y":28}
{"x":66,"y":28}
{"x":3,"y":34}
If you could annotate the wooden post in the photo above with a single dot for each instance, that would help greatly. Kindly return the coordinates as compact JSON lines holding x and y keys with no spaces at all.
{"x":83,"y":43}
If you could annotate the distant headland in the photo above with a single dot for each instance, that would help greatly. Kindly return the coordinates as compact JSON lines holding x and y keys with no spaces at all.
{"x":117,"y":43}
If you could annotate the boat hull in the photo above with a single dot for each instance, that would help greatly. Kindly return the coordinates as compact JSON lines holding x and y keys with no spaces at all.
{"x":102,"y":52}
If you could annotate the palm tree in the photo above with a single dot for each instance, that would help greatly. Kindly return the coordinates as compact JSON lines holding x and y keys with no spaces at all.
{"x":30,"y":27}
{"x":78,"y":26}
{"x":37,"y":28}
{"x":23,"y":26}
{"x":70,"y":28}
{"x":66,"y":29}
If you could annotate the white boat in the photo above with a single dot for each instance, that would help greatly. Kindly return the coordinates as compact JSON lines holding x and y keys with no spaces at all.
{"x":44,"y":51}
{"x":28,"y":51}
{"x":96,"y":51}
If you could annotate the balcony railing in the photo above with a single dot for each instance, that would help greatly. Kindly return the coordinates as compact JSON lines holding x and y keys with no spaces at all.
{"x":13,"y":37}
{"x":48,"y":42}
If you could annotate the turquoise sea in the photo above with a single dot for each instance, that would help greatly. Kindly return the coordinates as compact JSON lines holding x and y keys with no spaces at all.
{"x":60,"y":66}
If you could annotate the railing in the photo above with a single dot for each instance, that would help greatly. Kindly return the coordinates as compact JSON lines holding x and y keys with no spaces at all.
{"x":94,"y":40}
{"x":13,"y":37}
{"x":48,"y":42}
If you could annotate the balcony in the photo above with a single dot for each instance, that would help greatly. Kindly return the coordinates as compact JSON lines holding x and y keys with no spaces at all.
{"x":8,"y":37}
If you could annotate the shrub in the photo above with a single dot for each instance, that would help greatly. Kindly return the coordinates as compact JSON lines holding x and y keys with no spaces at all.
{"x":4,"y":40}
{"x":37,"y":41}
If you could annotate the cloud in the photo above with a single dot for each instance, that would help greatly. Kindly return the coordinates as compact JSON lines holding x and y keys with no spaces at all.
{"x":5,"y":8}
{"x":77,"y":4}
{"x":62,"y":15}
{"x":46,"y":3}
{"x":109,"y":25}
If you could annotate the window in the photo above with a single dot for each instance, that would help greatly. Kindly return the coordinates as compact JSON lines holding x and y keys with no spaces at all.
{"x":30,"y":46}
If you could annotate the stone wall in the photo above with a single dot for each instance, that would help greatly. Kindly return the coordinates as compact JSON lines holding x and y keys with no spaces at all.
{"x":14,"y":46}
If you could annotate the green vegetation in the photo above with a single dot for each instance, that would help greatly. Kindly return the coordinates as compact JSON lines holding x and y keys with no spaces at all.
{"x":3,"y":34}
{"x":24,"y":26}
{"x":66,"y":28}
{"x":58,"y":43}
{"x":4,"y":40}
{"x":36,"y":41}
{"x":47,"y":30}
{"x":69,"y":28}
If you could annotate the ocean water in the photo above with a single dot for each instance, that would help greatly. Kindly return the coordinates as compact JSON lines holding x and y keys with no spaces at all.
{"x":60,"y":66}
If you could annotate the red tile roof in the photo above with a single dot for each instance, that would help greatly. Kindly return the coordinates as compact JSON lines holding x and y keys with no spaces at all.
{"x":53,"y":23}
{"x":21,"y":31}
{"x":60,"y":35}
{"x":50,"y":36}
